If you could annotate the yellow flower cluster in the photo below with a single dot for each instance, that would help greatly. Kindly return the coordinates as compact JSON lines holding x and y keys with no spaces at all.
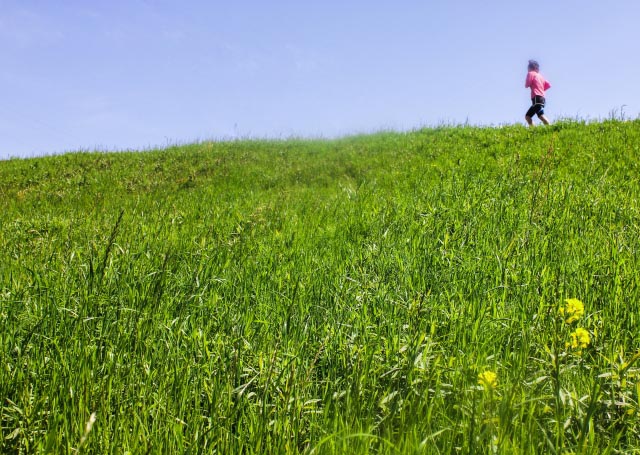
{"x":488,"y":379}
{"x":580,"y":339}
{"x":572,"y":310}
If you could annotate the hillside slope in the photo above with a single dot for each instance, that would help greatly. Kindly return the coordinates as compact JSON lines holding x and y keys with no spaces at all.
{"x":342,"y":296}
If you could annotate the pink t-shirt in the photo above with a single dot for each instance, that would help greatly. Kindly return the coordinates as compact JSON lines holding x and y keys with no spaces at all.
{"x":537,"y":83}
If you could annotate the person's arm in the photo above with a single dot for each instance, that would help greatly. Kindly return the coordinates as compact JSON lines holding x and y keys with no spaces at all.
{"x":547,"y":85}
{"x":527,"y":81}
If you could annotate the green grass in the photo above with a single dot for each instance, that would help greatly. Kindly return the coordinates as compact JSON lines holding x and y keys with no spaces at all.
{"x":324,"y":297}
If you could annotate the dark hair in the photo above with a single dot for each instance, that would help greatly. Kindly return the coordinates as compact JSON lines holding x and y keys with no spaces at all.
{"x":533,"y":65}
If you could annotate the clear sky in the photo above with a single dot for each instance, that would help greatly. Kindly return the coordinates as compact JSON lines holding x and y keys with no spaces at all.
{"x":134,"y":74}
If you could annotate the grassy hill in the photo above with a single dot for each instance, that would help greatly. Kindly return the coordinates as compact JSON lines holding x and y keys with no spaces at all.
{"x":390,"y":293}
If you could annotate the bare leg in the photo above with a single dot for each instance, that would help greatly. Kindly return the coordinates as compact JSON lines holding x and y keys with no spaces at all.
{"x":529,"y":120}
{"x":544,"y":119}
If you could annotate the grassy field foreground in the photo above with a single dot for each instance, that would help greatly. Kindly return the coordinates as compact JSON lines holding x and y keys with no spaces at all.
{"x":448,"y":290}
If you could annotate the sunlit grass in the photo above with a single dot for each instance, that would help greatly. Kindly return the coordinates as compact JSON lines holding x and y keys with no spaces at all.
{"x":391,"y":293}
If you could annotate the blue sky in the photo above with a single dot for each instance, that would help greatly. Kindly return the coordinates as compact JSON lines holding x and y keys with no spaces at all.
{"x":114,"y":75}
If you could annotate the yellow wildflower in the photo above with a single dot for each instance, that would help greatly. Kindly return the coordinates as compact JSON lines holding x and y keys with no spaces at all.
{"x":488,"y":379}
{"x":573,"y":310}
{"x":580,"y":338}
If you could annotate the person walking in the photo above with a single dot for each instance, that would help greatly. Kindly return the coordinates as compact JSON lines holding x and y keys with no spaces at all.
{"x":538,"y":85}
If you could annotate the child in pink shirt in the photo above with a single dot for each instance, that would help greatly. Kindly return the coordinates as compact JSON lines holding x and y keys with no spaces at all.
{"x":538,"y":85}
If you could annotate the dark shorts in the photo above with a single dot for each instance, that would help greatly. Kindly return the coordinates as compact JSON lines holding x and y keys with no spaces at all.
{"x":537,"y":106}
